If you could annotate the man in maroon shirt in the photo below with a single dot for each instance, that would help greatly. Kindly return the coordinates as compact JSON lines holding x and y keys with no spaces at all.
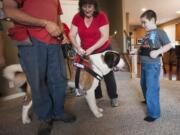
{"x":37,"y":26}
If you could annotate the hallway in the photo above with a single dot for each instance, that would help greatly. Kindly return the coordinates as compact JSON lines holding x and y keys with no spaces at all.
{"x":127,"y":119}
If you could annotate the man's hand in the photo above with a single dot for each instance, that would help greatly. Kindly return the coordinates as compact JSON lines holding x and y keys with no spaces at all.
{"x":65,"y":40}
{"x":52,"y":28}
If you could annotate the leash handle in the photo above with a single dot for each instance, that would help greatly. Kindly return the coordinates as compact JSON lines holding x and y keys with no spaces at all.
{"x":84,"y":56}
{"x":60,"y":37}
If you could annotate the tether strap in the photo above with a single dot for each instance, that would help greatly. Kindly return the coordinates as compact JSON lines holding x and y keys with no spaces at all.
{"x":87,"y":69}
{"x":77,"y":75}
{"x":94,"y":74}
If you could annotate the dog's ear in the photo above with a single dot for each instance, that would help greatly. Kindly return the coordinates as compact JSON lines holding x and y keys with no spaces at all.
{"x":111,"y":58}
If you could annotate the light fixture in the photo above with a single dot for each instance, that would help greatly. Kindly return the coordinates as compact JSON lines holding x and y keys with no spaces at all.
{"x":143,"y":9}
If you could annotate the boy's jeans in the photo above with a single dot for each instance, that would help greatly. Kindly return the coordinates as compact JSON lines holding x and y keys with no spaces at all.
{"x":45,"y":69}
{"x":150,"y":86}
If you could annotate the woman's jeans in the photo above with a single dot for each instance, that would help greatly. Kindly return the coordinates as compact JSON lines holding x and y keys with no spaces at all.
{"x":110,"y":83}
{"x":45,"y":69}
{"x":150,"y":86}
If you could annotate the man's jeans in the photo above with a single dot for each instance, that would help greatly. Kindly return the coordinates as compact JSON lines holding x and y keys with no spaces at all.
{"x":45,"y":69}
{"x":150,"y":86}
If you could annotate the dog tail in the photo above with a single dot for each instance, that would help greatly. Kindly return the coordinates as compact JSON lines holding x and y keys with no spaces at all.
{"x":10,"y":71}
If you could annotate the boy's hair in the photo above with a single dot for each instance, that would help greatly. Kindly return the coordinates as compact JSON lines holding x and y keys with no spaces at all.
{"x":149,"y":14}
{"x":84,"y":2}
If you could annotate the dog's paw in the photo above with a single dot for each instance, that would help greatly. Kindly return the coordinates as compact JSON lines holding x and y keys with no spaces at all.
{"x":26,"y":120}
{"x":25,"y":116}
{"x":100,"y":110}
{"x":98,"y":115}
{"x":78,"y":92}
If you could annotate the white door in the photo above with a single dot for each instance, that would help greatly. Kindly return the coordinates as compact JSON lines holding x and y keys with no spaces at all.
{"x":69,"y":8}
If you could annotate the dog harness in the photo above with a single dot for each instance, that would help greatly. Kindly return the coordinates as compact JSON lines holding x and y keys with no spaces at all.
{"x":81,"y":62}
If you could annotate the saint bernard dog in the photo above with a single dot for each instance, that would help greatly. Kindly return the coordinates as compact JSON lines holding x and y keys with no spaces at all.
{"x":100,"y":64}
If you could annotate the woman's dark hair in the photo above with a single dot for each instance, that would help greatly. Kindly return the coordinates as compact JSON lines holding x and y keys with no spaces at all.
{"x":91,"y":2}
{"x":149,"y":14}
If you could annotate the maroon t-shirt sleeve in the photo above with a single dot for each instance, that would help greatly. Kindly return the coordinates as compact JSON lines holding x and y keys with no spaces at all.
{"x":20,"y":2}
{"x":102,"y":19}
{"x":76,"y":19}
{"x":66,"y":29}
{"x":60,"y":12}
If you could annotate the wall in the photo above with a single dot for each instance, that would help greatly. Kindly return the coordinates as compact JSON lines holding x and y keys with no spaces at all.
{"x":171,"y":32}
{"x":70,"y":8}
{"x":170,"y":28}
{"x":115,"y":14}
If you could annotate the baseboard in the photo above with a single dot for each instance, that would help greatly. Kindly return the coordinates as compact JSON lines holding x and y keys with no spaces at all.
{"x":13,"y":96}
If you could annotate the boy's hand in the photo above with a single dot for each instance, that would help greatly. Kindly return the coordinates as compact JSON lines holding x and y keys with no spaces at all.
{"x":154,"y":54}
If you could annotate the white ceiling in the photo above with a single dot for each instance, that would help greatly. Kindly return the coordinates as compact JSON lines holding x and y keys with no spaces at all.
{"x":165,"y":9}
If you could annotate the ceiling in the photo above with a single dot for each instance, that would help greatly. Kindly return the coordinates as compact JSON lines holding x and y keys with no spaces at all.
{"x":165,"y":9}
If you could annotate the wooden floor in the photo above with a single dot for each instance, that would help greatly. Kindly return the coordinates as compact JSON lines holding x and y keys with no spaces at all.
{"x":173,"y":75}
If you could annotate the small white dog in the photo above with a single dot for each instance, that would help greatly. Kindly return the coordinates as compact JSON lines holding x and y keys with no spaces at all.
{"x":17,"y":78}
{"x":101,"y":64}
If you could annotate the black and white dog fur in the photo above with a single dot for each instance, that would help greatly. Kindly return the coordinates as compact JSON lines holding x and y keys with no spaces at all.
{"x":101,"y":63}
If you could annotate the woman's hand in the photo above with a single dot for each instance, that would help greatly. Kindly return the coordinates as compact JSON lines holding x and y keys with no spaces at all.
{"x":80,"y":51}
{"x":89,"y":51}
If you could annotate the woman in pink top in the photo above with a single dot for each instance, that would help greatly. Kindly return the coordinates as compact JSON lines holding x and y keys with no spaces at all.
{"x":92,"y":26}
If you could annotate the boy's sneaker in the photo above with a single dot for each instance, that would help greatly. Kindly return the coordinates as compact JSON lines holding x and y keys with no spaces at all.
{"x":149,"y":119}
{"x":114,"y":102}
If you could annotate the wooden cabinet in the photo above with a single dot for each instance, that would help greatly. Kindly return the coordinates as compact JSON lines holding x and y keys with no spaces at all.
{"x":178,"y":32}
{"x":138,"y":34}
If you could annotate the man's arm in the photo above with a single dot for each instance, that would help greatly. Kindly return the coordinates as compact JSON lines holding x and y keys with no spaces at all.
{"x":11,"y":10}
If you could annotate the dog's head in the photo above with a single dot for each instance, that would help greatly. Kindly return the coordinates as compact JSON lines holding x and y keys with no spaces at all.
{"x":113,"y":60}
